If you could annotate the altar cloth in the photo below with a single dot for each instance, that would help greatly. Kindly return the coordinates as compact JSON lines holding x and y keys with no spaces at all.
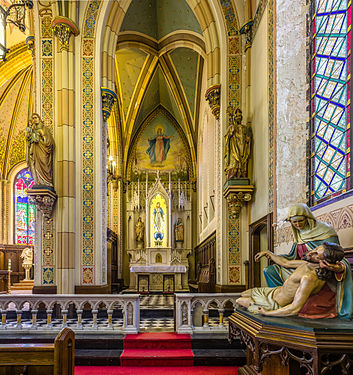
{"x":158,"y":269}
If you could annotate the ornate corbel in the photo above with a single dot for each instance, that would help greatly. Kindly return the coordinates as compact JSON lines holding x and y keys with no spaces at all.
{"x":44,"y":199}
{"x":108,"y":99}
{"x":30,"y":44}
{"x":213,"y":95}
{"x":63,"y":28}
{"x":236,"y":195}
{"x":247,"y":31}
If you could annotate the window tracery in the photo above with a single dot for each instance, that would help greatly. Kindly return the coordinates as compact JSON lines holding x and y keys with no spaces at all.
{"x":330,"y":103}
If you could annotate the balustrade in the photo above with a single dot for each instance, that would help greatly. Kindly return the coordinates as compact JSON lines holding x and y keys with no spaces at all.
{"x":207,"y":308}
{"x":200,"y":312}
{"x":60,"y":311}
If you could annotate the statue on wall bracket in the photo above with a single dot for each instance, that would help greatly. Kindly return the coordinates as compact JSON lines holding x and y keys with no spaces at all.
{"x":40,"y":152}
{"x":237,"y":145}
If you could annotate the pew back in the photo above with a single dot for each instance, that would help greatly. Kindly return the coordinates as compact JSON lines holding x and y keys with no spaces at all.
{"x":40,"y":358}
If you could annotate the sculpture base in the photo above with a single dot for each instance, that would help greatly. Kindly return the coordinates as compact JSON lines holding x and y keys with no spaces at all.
{"x":44,"y":198}
{"x":284,"y":345}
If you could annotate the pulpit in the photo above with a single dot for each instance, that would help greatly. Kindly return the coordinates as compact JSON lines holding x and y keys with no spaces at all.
{"x":293,"y":345}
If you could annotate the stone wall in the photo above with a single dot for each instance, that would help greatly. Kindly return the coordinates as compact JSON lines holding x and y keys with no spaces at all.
{"x":292,"y":113}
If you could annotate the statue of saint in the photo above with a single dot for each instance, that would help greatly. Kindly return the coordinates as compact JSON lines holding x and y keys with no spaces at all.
{"x":179,"y":231}
{"x":27,"y":255}
{"x":140,"y":230}
{"x":40,"y":149}
{"x":308,"y":280}
{"x":308,"y":234}
{"x":237,"y":145}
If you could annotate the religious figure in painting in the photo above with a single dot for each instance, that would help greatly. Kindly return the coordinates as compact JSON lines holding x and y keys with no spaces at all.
{"x":158,"y":222}
{"x":40,"y":149}
{"x":237,"y":145}
{"x":307,"y":280}
{"x":158,"y":147}
{"x":179,"y":230}
{"x":140,"y":230}
{"x":308,"y":234}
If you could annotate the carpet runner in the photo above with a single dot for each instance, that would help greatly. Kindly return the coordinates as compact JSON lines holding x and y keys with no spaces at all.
{"x":157,"y":349}
{"x":191,"y":370}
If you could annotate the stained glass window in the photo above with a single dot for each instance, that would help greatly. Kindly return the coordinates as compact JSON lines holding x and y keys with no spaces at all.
{"x":24,"y":211}
{"x":330,"y":104}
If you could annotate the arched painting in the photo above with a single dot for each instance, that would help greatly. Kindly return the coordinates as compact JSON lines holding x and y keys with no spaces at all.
{"x":160,"y":147}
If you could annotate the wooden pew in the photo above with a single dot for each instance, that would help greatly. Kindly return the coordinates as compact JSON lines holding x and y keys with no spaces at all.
{"x":40,"y":358}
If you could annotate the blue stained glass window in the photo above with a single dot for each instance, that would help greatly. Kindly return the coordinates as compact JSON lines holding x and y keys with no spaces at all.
{"x":24,"y":211}
{"x":330,"y":162}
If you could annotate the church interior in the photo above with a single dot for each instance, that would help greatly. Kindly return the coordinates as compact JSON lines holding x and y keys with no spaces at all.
{"x":176,"y":194}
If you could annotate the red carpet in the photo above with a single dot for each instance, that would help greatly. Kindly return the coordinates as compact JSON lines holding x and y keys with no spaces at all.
{"x":157,"y":349}
{"x":191,"y":370}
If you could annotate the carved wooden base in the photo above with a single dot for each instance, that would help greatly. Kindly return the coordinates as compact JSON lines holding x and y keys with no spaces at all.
{"x":293,"y":346}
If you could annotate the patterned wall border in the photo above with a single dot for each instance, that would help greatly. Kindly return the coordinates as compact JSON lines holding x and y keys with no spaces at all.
{"x":234,"y":99}
{"x":88,"y":144}
{"x":271,"y":108}
{"x":46,"y":59}
{"x":342,"y":218}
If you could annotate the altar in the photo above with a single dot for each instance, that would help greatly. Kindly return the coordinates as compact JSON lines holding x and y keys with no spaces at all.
{"x":160,"y":240}
{"x":293,"y":345}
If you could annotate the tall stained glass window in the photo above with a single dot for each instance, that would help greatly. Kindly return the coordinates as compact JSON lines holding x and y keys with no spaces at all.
{"x":330,"y":105}
{"x":24,"y":211}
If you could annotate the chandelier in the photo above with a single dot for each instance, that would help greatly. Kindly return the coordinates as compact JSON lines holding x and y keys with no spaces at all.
{"x":14,"y":14}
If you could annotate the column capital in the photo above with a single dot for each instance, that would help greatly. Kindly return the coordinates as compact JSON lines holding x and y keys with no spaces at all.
{"x":109,"y":97}
{"x":236,"y":195}
{"x":63,"y":28}
{"x":213,"y":95}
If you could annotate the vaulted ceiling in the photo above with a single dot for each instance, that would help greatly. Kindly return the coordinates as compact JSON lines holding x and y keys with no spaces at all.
{"x":16,"y":87}
{"x":159,"y":62}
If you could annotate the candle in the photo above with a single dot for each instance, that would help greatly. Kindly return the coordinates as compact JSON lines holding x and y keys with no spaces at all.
{"x":146,"y":184}
{"x":9,"y":264}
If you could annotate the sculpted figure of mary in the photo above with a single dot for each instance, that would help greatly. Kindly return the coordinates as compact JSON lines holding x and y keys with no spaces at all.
{"x":309,"y":233}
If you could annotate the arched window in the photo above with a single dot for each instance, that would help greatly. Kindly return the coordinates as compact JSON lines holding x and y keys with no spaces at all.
{"x":24,"y":211}
{"x":330,"y":99}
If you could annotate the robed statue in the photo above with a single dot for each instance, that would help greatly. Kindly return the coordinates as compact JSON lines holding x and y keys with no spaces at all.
{"x":237,"y":145}
{"x":315,"y":256}
{"x":179,"y":231}
{"x":140,"y":230}
{"x":40,"y":149}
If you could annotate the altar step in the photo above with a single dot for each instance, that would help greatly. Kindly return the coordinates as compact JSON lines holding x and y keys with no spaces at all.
{"x":23,"y":285}
{"x":208,"y":350}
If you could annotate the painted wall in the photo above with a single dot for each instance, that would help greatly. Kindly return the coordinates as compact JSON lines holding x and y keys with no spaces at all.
{"x":259,"y":119}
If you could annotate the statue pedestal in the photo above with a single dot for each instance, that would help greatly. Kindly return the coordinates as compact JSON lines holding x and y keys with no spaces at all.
{"x":139,"y":244}
{"x":44,"y":198}
{"x":179,"y":244}
{"x":27,"y":268}
{"x":289,"y":345}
